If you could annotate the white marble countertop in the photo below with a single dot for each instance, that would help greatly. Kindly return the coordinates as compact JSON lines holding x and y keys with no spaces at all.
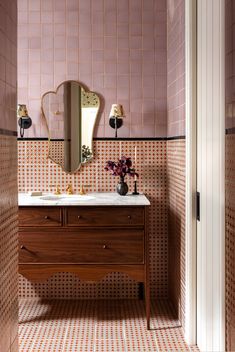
{"x":90,"y":199}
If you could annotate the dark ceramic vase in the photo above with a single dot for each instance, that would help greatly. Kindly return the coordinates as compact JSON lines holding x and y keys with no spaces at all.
{"x":122,"y":187}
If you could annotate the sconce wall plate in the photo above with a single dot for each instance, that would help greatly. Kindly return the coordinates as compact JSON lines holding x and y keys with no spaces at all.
{"x":113,"y":121}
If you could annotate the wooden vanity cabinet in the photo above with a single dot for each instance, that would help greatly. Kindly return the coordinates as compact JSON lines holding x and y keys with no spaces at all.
{"x":90,"y":241}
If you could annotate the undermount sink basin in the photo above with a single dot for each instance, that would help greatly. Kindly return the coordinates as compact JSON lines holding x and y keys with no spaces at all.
{"x":67,"y":198}
{"x":52,"y":197}
{"x":76,"y":197}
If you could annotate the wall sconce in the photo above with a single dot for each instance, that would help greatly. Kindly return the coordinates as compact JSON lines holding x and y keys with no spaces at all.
{"x":24,"y":120}
{"x":116,"y":117}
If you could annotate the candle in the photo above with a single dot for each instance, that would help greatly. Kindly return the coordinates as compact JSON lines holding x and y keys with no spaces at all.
{"x":135,"y":155}
{"x":120,"y":149}
{"x":135,"y":178}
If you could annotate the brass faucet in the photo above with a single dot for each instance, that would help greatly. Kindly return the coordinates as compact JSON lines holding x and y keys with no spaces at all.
{"x":82,"y":191}
{"x":69,"y":189}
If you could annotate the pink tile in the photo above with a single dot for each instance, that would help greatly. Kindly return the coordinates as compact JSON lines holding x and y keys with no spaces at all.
{"x":136,"y":42}
{"x":123,"y":43}
{"x":98,"y":55}
{"x":59,"y":5}
{"x":59,"y":29}
{"x":47,"y":17}
{"x":59,"y":55}
{"x":59,"y":42}
{"x":110,"y":67}
{"x":74,"y":4}
{"x":72,"y":17}
{"x":34,"y":17}
{"x":35,"y":43}
{"x":47,"y":30}
{"x":123,"y":29}
{"x":59,"y":17}
{"x":47,"y":42}
{"x":136,"y":29}
{"x":98,"y":68}
{"x":123,"y":68}
{"x":136,"y":67}
{"x":97,"y":43}
{"x":123,"y":55}
{"x":136,"y":131}
{"x":72,"y":43}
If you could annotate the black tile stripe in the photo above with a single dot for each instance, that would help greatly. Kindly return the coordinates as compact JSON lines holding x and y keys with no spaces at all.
{"x":4,"y":132}
{"x":111,"y":139}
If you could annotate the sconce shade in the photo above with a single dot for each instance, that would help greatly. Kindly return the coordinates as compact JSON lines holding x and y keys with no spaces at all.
{"x":24,"y":121}
{"x":22,"y":110}
{"x":116,"y":111}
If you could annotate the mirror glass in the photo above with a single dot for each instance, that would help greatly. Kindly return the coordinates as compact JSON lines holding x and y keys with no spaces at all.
{"x":71,"y":112}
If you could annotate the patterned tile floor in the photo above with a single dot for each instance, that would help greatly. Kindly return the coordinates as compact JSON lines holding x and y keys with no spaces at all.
{"x":98,"y":326}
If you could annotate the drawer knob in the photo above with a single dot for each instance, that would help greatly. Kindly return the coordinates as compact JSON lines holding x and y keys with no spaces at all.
{"x":46,"y":217}
{"x":79,"y":216}
{"x":22,"y":247}
{"x":129,"y":216}
{"x":105,"y":246}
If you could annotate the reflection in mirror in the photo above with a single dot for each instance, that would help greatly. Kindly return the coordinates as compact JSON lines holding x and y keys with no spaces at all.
{"x":71,"y":114}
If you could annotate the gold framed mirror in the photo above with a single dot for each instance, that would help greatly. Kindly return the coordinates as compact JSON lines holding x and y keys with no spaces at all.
{"x":71,"y":113}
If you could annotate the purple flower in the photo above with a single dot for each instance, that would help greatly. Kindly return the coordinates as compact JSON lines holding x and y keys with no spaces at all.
{"x":121,"y":168}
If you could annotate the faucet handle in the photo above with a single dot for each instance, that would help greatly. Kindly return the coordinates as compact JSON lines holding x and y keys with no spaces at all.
{"x":58,"y":191}
{"x":82,"y":189}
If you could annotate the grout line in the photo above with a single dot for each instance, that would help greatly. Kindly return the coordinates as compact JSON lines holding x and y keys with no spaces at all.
{"x":65,"y":337}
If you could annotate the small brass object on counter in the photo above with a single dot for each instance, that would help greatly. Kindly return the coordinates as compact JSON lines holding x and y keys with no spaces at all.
{"x":69,"y":189}
{"x":58,"y":191}
{"x":82,"y":191}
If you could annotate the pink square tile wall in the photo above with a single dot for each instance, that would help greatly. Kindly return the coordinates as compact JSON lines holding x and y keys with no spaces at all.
{"x":116,"y":48}
{"x":36,"y":172}
{"x":175,"y":68}
{"x":8,"y":72}
{"x":229,"y":64}
{"x":8,"y":179}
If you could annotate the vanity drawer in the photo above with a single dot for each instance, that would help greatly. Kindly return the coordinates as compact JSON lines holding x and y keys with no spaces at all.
{"x":40,"y":216}
{"x":103,"y":246}
{"x":105,"y":216}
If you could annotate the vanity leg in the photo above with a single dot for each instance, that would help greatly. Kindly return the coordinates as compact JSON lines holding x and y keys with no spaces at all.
{"x":147,"y":303}
{"x":141,"y":290}
{"x":147,"y":276}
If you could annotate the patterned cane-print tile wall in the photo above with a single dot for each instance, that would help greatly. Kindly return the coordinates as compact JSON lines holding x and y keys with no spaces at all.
{"x":36,"y":172}
{"x":230,"y":240}
{"x":8,"y":244}
{"x":230,"y":173}
{"x":8,"y":179}
{"x":176,"y":224}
